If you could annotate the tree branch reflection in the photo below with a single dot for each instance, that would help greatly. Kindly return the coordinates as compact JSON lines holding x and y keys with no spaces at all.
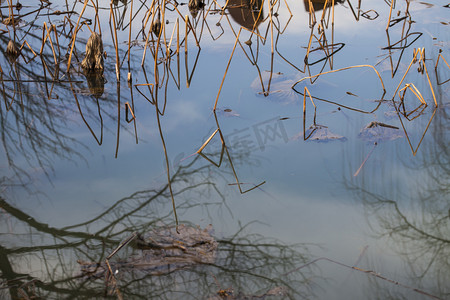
{"x":249,"y":263}
{"x":414,"y":214}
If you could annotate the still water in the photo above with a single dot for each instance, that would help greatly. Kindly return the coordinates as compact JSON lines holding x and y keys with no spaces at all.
{"x":305,"y":149}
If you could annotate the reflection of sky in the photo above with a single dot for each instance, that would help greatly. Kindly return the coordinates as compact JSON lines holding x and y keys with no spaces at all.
{"x":303,"y":200}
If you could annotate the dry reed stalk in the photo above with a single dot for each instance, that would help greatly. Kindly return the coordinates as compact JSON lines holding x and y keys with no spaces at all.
{"x":271,"y":33}
{"x":231,"y":163}
{"x":53,"y":81}
{"x":118,"y":117}
{"x":226,"y":70}
{"x":166,"y":86}
{"x":167,"y":163}
{"x":129,"y":110}
{"x":312,"y":14}
{"x":332,"y":31}
{"x":56,"y":39}
{"x":390,"y":56}
{"x":287,"y":23}
{"x":29,"y":47}
{"x":282,"y":56}
{"x":176,"y":29}
{"x":74,"y":36}
{"x":224,"y":148}
{"x":97,"y":19}
{"x":99,"y":142}
{"x":421,"y":53}
{"x":390,"y":14}
{"x":162,"y":32}
{"x":189,"y":24}
{"x":171,"y":38}
{"x":147,"y":16}
{"x":222,"y":151}
{"x":308,"y":48}
{"x":129,"y":35}
{"x":414,"y":151}
{"x":414,"y":90}
{"x":178,"y":52}
{"x":364,"y":161}
{"x":151,"y":87}
{"x":207,"y":141}
{"x":223,"y":7}
{"x":305,"y":91}
{"x":150,"y":12}
{"x":189,"y":76}
{"x":46,"y":34}
{"x":134,"y":117}
{"x":253,"y":62}
{"x":66,"y":21}
{"x":436,"y":66}
{"x":324,"y":11}
{"x":343,"y":69}
{"x":419,"y":96}
{"x":324,"y":46}
{"x":353,"y":11}
{"x":159,"y":31}
{"x":10,"y":20}
{"x":115,"y":41}
{"x":438,"y":59}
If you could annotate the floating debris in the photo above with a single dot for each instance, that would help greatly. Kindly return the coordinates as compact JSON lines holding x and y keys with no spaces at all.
{"x":94,"y":53}
{"x":321,"y":133}
{"x":377,"y":132}
{"x":276,"y":85}
{"x":162,"y":251}
{"x":227,"y":112}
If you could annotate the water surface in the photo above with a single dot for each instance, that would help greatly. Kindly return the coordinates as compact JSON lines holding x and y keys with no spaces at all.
{"x":306,"y":193}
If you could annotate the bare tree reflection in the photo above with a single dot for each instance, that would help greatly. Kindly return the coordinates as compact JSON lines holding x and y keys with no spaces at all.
{"x":415,"y":215}
{"x":248,"y":263}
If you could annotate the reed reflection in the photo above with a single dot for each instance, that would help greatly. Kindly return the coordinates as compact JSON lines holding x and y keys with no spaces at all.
{"x":318,"y":5}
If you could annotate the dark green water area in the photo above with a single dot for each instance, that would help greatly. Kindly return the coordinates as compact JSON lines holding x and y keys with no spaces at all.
{"x":211,"y":149}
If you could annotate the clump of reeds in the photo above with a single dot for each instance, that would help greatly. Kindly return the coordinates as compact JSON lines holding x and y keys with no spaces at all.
{"x":156,"y":25}
{"x":194,"y":6}
{"x":11,"y":49}
{"x":94,"y":53}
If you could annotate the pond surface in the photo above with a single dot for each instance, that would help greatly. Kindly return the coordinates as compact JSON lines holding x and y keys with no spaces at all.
{"x":305,"y":150}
